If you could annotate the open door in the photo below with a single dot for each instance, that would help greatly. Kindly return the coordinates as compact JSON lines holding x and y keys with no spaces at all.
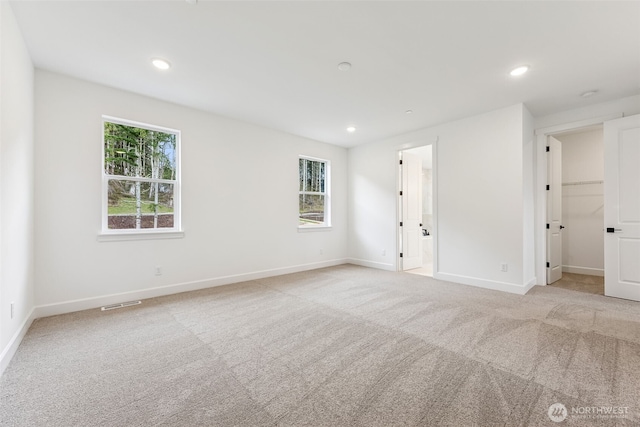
{"x":411,"y":211}
{"x":554,"y":210}
{"x":622,"y":208}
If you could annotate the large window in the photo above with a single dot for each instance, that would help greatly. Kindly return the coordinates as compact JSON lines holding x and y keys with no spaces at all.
{"x":140,"y":177}
{"x":314,"y":201}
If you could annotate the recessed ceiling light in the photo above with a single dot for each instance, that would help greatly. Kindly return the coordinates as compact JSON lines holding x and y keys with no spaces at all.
{"x":519,"y":70}
{"x":344,"y":66}
{"x":409,"y":112}
{"x":351,"y":129}
{"x":161,"y":64}
{"x":588,"y":93}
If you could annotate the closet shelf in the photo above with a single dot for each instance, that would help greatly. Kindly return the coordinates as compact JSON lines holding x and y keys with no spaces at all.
{"x":582,"y":183}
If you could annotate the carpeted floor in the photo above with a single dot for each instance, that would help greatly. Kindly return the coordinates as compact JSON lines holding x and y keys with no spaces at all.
{"x":342,"y":346}
{"x":581,"y":283}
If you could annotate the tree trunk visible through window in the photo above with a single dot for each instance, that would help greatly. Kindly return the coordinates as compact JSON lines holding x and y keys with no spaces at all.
{"x":312,"y":194}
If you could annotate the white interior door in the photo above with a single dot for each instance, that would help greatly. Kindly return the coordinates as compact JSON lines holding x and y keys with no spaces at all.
{"x":554,"y":210}
{"x":622,"y":208}
{"x":411,"y":211}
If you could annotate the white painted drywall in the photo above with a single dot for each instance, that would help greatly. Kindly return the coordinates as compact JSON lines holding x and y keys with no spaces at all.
{"x":373,"y":185}
{"x":480,"y":199}
{"x":583,"y":205}
{"x":239,"y":199}
{"x":16,"y":182}
{"x":529,"y":194}
{"x":629,"y":105}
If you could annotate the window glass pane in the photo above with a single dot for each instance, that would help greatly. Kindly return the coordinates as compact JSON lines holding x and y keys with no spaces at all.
{"x":134,"y":205}
{"x":318,"y":177}
{"x":312,"y":175}
{"x":137,"y":152}
{"x":302,"y":170}
{"x":311,"y":209}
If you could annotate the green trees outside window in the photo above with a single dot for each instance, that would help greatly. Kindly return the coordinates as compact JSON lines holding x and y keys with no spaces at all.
{"x":313,"y":195}
{"x":140,"y":167}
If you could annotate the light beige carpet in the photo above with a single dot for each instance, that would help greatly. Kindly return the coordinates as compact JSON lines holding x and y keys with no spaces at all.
{"x":342,"y":346}
{"x":581,"y":282}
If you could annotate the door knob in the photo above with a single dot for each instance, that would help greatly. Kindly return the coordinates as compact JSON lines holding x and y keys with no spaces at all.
{"x":562,"y":226}
{"x":613,"y":230}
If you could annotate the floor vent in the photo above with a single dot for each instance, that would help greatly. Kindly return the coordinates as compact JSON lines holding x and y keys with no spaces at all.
{"x":120,"y":305}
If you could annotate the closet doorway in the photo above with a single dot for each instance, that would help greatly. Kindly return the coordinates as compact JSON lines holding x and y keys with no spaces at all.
{"x":575,"y":210}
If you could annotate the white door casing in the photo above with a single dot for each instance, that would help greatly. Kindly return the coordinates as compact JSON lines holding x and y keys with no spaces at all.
{"x":411,"y":211}
{"x":622,"y":208}
{"x":554,"y":210}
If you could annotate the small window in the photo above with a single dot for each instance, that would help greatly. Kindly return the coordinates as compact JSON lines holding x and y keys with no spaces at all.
{"x":140,"y":177}
{"x":314,"y":201}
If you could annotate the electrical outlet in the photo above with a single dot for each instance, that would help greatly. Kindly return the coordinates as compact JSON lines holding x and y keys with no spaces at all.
{"x":12,"y":309}
{"x":384,"y":252}
{"x":504,"y":267}
{"x":321,"y":251}
{"x":158,"y":270}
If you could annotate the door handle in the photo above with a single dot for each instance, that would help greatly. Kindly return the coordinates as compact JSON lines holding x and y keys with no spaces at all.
{"x":562,"y":226}
{"x":613,"y":230}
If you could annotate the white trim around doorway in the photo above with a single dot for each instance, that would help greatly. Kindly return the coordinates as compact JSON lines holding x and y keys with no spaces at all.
{"x":541,"y":182}
{"x":434,"y":194}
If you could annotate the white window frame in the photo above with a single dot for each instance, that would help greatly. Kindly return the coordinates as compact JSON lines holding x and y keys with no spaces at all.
{"x":327,"y":195}
{"x":108,"y":234}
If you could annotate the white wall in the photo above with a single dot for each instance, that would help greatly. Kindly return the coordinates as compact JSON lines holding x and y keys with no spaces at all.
{"x":529,"y":198}
{"x":479,"y":199}
{"x":239,"y":201}
{"x":16,"y":185}
{"x":373,"y":184}
{"x":629,"y":106}
{"x":583,"y":205}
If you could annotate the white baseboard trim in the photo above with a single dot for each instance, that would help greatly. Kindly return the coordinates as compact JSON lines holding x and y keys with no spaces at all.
{"x":16,"y":339}
{"x":583,"y":270}
{"x":530,"y":284}
{"x":487,"y":284}
{"x":371,"y":264}
{"x":95,"y":302}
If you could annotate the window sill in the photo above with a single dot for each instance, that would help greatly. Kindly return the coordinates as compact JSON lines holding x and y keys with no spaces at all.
{"x":120,"y":236}
{"x":312,"y":229}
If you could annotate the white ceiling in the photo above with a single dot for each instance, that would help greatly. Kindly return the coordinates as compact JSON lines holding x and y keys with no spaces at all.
{"x":275,"y":63}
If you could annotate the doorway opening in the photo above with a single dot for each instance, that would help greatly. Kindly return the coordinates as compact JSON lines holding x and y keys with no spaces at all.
{"x":416,"y":211}
{"x":575,"y":209}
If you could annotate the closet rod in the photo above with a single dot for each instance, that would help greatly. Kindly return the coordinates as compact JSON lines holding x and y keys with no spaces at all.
{"x":582,"y":182}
